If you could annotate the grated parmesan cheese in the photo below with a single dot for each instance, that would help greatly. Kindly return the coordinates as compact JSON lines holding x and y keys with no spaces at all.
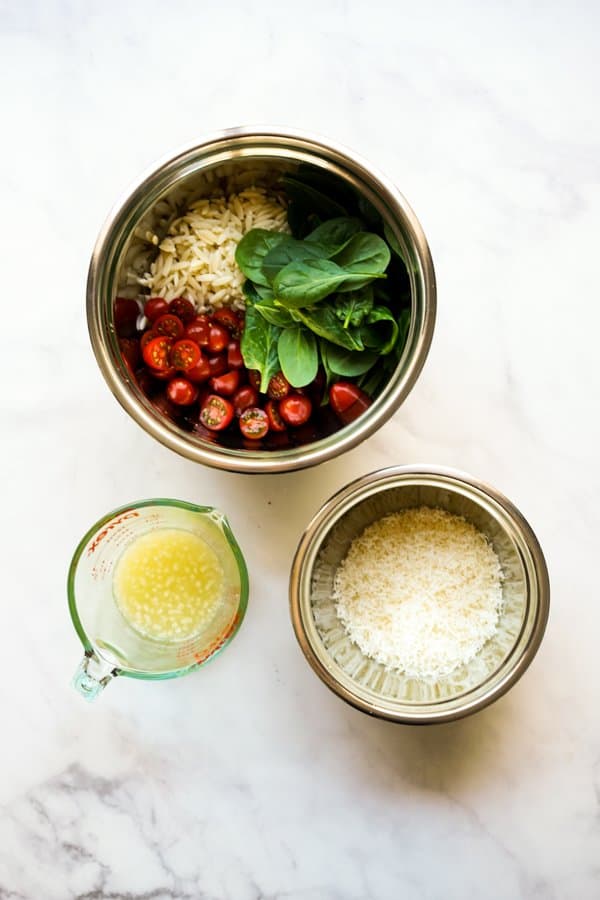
{"x":420,"y":591}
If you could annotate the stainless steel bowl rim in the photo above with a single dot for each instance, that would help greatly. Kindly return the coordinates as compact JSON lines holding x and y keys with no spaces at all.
{"x":311,"y":541}
{"x":189,"y":159}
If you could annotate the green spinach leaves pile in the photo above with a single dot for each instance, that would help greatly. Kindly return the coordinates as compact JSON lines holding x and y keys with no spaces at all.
{"x":335,"y":292}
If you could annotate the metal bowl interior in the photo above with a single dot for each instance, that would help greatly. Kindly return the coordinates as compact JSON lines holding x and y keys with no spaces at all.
{"x":242,"y":151}
{"x":365,"y":683}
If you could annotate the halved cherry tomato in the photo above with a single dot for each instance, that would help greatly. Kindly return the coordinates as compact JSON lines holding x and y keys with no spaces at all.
{"x":348,"y":401}
{"x":230,"y":320}
{"x":216,"y":413}
{"x":217,"y":364}
{"x":254,"y":423}
{"x":295,"y":409}
{"x":183,"y":309}
{"x":254,"y":378}
{"x":147,"y":337}
{"x":130,"y":351}
{"x":279,"y":387}
{"x":244,"y":397}
{"x":226,"y":384}
{"x":235,"y":360}
{"x":155,"y":307}
{"x":163,"y":374}
{"x":200,"y":372}
{"x":156,"y":353}
{"x":169,"y":325}
{"x":199,"y":330}
{"x":276,"y":423}
{"x":218,"y":338}
{"x":185,"y":354}
{"x":182,"y":392}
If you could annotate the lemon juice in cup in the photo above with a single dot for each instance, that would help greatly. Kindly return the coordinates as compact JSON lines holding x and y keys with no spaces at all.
{"x":155,"y":589}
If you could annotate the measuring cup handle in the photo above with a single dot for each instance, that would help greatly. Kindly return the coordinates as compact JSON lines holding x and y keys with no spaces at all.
{"x":92,"y":676}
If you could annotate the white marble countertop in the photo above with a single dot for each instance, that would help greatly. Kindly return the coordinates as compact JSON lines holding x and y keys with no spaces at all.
{"x":250,"y":779}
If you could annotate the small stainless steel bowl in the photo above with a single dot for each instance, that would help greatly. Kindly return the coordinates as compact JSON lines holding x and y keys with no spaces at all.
{"x":243,"y":147}
{"x":366,"y":684}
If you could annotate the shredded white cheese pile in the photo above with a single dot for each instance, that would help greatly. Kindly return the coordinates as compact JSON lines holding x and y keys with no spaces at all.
{"x":420,"y":591}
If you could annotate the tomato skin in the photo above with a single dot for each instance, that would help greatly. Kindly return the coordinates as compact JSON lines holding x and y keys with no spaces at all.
{"x":156,"y":353}
{"x":254,"y":423}
{"x":254,"y":378}
{"x":217,"y":364}
{"x":200,"y":372}
{"x":183,"y":309}
{"x":218,"y":338}
{"x":163,"y":374}
{"x":227,"y":384}
{"x":182,"y":392}
{"x":276,"y":423}
{"x":295,"y":409}
{"x":279,"y":387}
{"x":228,"y":319}
{"x":125,"y":312}
{"x":244,"y":397}
{"x":235,"y":360}
{"x":155,"y":307}
{"x":130,"y":351}
{"x":216,"y":413}
{"x":147,"y":337}
{"x":185,"y":355}
{"x":348,"y":401}
{"x":199,"y":330}
{"x":169,"y":325}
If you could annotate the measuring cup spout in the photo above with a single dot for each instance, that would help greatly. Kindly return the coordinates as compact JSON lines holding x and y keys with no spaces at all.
{"x":92,"y":676}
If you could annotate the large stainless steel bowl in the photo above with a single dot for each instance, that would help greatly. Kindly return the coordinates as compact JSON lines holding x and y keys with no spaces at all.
{"x":239,"y":147}
{"x":366,"y":684}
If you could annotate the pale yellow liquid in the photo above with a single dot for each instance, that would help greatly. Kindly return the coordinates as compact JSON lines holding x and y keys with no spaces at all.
{"x":169,"y":584}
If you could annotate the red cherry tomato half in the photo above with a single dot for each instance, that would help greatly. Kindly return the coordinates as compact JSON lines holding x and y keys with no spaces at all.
{"x":169,"y":325}
{"x":227,"y":384}
{"x":155,"y":307}
{"x":217,"y":364}
{"x":228,"y":319}
{"x":244,"y":397}
{"x":182,"y":392}
{"x":216,"y":413}
{"x":126,"y":312}
{"x":279,"y":387}
{"x":348,"y":401}
{"x":199,"y":330}
{"x":156,"y":353}
{"x":254,"y":423}
{"x":147,"y":337}
{"x":254,"y":378}
{"x":185,"y":354}
{"x":295,"y":409}
{"x":163,"y":374}
{"x":218,"y":338}
{"x":130,"y":351}
{"x":276,"y":423}
{"x":235,"y":360}
{"x":183,"y":309}
{"x":200,"y":372}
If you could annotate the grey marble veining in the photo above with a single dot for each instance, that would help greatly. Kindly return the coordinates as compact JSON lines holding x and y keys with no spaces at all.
{"x":249,"y":780}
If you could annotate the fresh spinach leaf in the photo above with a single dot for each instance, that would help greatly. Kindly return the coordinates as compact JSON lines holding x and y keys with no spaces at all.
{"x":298,"y":355}
{"x":251,"y":251}
{"x":350,"y":363}
{"x":365,"y":254}
{"x":273,"y":312}
{"x":333,"y":235}
{"x":259,"y":346}
{"x":250,"y":292}
{"x":305,"y":283}
{"x":324,"y":322}
{"x":352,"y":307}
{"x":393,"y":241}
{"x":286,"y":251}
{"x":380,"y":330}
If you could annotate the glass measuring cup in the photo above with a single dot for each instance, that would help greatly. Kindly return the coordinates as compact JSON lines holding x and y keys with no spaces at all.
{"x":112,"y":646}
